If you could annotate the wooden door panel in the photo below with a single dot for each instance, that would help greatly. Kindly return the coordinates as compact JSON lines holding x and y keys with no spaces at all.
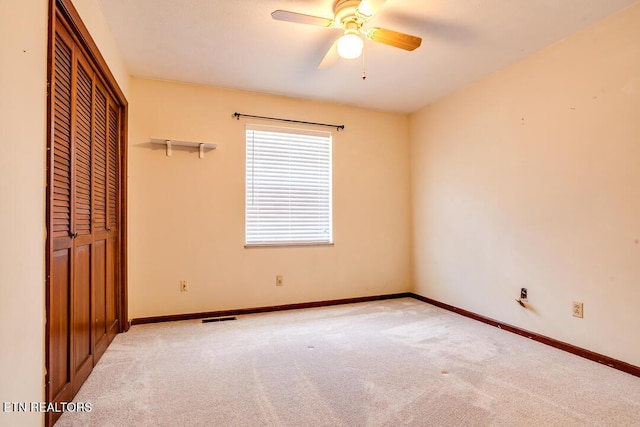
{"x":99,"y":299}
{"x":81,"y":327}
{"x":111,"y":288}
{"x":99,"y":216}
{"x":82,"y":127}
{"x":59,"y":331}
{"x":59,"y":370}
{"x":113,"y":208}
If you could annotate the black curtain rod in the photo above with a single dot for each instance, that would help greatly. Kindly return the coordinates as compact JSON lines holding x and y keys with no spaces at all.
{"x":238,"y":115}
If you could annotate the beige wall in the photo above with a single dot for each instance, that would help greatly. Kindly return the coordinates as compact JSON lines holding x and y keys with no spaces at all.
{"x":23,"y":55}
{"x":187,"y":214}
{"x":531,"y":178}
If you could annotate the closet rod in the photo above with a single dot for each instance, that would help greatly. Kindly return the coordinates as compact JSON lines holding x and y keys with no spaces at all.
{"x":238,"y":115}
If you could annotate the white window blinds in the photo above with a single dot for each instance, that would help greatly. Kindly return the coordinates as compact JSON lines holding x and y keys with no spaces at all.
{"x":288,"y":186}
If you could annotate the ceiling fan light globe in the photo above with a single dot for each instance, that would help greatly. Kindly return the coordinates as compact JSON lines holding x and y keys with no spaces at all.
{"x":350,"y":46}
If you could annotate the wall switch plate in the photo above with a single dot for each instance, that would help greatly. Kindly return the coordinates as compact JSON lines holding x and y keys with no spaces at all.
{"x":577,"y":309}
{"x":279,"y":280}
{"x":523,"y":294}
{"x":184,"y":286}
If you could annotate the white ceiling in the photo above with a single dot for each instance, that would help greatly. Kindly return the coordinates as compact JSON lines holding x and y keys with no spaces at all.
{"x":236,"y":44}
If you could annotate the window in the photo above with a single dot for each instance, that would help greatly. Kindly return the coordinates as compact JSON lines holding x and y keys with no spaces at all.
{"x":288,"y":186}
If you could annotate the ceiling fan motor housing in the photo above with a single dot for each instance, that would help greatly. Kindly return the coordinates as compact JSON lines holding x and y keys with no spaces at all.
{"x":345,"y":10}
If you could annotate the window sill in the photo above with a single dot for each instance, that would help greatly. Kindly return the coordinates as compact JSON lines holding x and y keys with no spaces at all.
{"x":285,"y":245}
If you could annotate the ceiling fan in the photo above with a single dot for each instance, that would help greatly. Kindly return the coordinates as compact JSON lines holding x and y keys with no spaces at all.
{"x":351,"y":16}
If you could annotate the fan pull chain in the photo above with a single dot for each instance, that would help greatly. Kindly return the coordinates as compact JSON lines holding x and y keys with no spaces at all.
{"x":364,"y":68}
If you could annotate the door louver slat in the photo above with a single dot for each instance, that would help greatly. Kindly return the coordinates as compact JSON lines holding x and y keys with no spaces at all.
{"x":112,"y":178}
{"x":83,"y":153}
{"x":61,"y":205}
{"x":100,"y":162}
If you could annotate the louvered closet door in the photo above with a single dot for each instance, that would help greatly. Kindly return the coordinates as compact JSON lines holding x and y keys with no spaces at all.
{"x":105,"y":218}
{"x":113,"y":221}
{"x":70,"y":297}
{"x":61,"y":258}
{"x":81,"y":221}
{"x":84,"y":218}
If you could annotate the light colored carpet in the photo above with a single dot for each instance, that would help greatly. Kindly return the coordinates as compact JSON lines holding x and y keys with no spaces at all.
{"x":387,"y":363}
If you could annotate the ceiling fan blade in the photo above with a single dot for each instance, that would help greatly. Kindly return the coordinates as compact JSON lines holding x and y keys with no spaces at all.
{"x":300,"y":18}
{"x":393,"y":38}
{"x":368,"y":8}
{"x":330,"y":58}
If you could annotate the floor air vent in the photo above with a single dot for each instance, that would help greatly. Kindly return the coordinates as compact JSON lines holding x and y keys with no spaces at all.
{"x":218,"y":319}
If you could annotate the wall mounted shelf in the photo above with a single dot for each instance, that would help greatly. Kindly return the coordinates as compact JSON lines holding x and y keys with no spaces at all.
{"x":201,"y":146}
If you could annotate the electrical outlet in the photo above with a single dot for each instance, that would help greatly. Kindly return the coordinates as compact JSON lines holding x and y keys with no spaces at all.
{"x":184,"y":286}
{"x":578,"y":309}
{"x":523,"y":294}
{"x":279,"y":280}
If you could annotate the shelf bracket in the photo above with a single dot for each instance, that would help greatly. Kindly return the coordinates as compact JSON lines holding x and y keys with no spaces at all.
{"x":168,"y":141}
{"x":201,"y":154}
